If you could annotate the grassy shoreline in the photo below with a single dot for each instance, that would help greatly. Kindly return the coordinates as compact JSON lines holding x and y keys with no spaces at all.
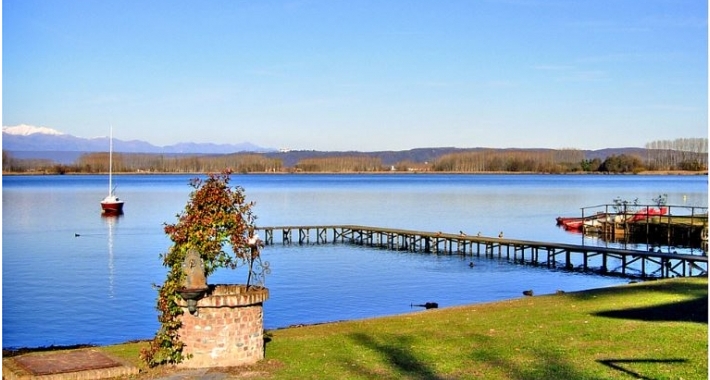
{"x":654,"y":329}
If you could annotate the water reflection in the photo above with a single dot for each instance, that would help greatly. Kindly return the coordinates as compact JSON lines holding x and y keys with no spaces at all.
{"x":110,"y":221}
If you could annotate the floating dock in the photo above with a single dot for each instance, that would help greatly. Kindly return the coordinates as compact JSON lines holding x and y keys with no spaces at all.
{"x":609,"y":261}
{"x":677,"y":226}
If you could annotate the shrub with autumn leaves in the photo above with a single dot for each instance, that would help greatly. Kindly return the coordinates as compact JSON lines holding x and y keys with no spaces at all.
{"x":216,"y":216}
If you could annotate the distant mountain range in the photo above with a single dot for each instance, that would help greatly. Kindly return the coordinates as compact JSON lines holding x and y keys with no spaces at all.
{"x":30,"y":142}
{"x":27,"y":138}
{"x":27,"y":141}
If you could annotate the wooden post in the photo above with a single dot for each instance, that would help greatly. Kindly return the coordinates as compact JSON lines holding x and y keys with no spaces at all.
{"x":303,"y":235}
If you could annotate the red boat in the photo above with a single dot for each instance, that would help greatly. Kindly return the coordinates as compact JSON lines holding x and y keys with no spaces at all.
{"x":571,"y":223}
{"x":576,"y":223}
{"x":111,"y":205}
{"x":649,"y":211}
{"x":561,"y":221}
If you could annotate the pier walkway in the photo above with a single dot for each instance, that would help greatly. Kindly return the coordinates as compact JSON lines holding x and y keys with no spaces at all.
{"x":612,"y":261}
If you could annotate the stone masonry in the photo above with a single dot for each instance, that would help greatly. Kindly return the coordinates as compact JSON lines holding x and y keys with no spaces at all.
{"x":227,"y":328}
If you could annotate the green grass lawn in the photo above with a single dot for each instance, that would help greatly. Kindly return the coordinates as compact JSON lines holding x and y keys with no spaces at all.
{"x":649,"y":330}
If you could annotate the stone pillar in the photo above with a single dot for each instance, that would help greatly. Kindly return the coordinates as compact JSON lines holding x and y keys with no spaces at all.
{"x":227,"y":329}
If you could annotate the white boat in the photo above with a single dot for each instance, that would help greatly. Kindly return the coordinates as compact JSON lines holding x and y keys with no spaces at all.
{"x":111,"y":205}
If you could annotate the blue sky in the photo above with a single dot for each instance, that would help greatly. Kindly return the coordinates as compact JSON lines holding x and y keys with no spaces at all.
{"x":360,"y":75}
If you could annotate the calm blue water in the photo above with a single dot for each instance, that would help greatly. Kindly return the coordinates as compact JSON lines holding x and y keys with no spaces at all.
{"x":60,"y":289}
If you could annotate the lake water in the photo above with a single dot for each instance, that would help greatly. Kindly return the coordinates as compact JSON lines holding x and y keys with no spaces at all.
{"x":71,"y":276}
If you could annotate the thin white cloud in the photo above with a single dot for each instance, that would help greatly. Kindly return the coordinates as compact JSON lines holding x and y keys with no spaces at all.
{"x":608,"y":26}
{"x":570,"y":73}
{"x":553,"y":67}
{"x":585,"y":76}
{"x":500,"y":84}
{"x":651,"y":23}
{"x":673,"y":107}
{"x":673,"y":21}
{"x":613,"y":57}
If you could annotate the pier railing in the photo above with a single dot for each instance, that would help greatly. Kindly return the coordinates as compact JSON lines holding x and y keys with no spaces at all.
{"x":604,"y":260}
{"x":632,"y":208}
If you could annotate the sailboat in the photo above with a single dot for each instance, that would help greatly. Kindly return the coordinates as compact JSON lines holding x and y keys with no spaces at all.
{"x":111,"y":205}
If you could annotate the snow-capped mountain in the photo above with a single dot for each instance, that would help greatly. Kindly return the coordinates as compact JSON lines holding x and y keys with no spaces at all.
{"x":26,"y":130}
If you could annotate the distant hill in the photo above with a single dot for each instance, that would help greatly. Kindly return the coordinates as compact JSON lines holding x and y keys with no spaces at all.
{"x":28,"y":142}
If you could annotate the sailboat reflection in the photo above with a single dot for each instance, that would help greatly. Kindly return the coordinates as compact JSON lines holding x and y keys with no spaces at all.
{"x":111,"y":221}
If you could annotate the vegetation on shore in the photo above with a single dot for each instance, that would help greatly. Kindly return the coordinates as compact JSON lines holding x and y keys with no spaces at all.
{"x":679,"y":155}
{"x":651,"y":330}
{"x":216,"y":216}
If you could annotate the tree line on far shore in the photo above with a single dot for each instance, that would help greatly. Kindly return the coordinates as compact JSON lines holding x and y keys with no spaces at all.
{"x":676,"y":155}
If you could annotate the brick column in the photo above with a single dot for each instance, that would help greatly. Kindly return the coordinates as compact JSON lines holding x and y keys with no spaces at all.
{"x":227,"y":329}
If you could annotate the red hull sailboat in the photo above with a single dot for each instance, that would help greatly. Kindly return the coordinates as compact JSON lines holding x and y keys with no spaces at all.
{"x":111,"y":205}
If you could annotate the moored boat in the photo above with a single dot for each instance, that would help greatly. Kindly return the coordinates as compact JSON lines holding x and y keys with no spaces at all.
{"x":577,"y":224}
{"x":111,"y":204}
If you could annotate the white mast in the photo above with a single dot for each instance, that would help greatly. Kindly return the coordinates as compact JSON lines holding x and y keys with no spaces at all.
{"x":110,"y":161}
{"x":111,"y":204}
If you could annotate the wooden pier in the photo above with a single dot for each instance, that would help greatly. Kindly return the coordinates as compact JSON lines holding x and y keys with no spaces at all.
{"x":610,"y":261}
